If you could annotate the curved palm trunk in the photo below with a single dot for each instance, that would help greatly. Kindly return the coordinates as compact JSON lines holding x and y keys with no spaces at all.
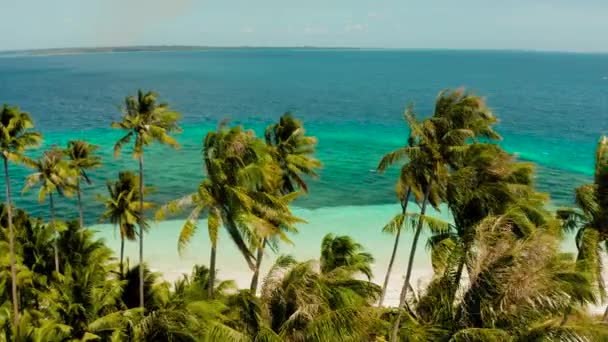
{"x":410,"y":265}
{"x":605,"y":317}
{"x":258,"y":263}
{"x":55,"y":247}
{"x":80,"y":209}
{"x":459,"y":271}
{"x":395,"y":246}
{"x":11,"y":234}
{"x":141,"y":230}
{"x":122,"y":253}
{"x":211,"y":282}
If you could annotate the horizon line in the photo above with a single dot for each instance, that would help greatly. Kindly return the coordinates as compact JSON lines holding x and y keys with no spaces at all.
{"x":177,"y":47}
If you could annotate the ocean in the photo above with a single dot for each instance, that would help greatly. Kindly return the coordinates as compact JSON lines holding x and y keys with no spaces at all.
{"x":553,"y":107}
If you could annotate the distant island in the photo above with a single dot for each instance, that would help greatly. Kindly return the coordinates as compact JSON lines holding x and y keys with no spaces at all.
{"x":150,"y":48}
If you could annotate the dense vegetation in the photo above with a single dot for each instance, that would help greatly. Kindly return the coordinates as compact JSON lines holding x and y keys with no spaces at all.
{"x":499,"y":273}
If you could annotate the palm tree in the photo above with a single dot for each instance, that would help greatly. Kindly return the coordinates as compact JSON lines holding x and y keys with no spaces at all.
{"x":148,"y":121}
{"x":52,"y":174}
{"x":488,"y":181}
{"x":406,"y":185}
{"x":82,"y":159}
{"x":15,"y":138}
{"x":342,"y":252}
{"x":122,"y":208}
{"x":85,"y":289}
{"x":517,"y":289}
{"x":590,"y":219}
{"x":293,"y":151}
{"x":322,"y":300}
{"x":233,"y":195}
{"x":458,"y":118}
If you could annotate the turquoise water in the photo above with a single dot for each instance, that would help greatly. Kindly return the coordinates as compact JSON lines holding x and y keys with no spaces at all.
{"x":552,"y":107}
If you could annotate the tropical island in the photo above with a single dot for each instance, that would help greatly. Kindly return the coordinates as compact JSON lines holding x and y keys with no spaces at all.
{"x":155,"y":48}
{"x":499,"y":273}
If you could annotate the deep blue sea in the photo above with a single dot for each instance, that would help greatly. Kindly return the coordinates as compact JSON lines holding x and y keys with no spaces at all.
{"x":553,"y":107}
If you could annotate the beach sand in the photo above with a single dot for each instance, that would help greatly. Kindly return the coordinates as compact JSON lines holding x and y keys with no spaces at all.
{"x":363,"y":223}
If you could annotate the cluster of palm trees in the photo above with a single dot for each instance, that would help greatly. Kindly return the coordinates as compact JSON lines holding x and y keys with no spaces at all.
{"x":498,"y":271}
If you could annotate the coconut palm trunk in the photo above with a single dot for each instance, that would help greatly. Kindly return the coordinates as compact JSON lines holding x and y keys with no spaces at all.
{"x":80,"y":209}
{"x":211,"y":282}
{"x":459,"y":271}
{"x":11,"y":235}
{"x":55,"y":247}
{"x":395,"y":246}
{"x":141,"y":229}
{"x":122,"y":250}
{"x":258,"y":264}
{"x":410,"y":264}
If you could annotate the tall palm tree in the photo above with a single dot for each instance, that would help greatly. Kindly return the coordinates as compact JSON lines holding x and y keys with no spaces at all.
{"x":52,"y":175}
{"x":82,"y":158}
{"x":293,"y":151}
{"x":238,"y":171}
{"x":407,"y":184}
{"x":488,"y":181}
{"x":147,"y":121}
{"x":122,"y":208}
{"x":590,"y":220}
{"x":15,"y":138}
{"x":458,"y":118}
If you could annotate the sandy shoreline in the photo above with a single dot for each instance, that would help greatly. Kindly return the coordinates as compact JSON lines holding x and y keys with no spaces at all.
{"x":362,"y":223}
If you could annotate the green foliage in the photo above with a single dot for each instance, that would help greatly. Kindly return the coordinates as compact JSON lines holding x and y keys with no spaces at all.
{"x":52,"y":174}
{"x":148,"y":121}
{"x":15,"y":133}
{"x":499,"y":274}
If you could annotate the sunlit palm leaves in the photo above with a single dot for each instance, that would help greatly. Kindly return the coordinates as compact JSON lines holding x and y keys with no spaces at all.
{"x":293,"y":150}
{"x":82,"y":159}
{"x":590,"y":219}
{"x":321,"y":300}
{"x":514,"y":284}
{"x":237,"y":194}
{"x":122,"y":207}
{"x":52,"y":174}
{"x":15,"y":138}
{"x":147,"y":121}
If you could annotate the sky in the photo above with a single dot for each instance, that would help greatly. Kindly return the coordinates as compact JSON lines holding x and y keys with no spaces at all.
{"x":560,"y":25}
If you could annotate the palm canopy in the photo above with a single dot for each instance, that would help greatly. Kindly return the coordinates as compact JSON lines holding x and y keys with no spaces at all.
{"x":487,"y":183}
{"x":344,"y":254}
{"x":460,"y":115}
{"x":122,"y":204}
{"x":321,"y":300}
{"x":420,"y":159}
{"x":82,"y":157}
{"x":15,"y":134}
{"x":148,"y":120}
{"x":590,"y":218}
{"x":52,"y":174}
{"x":517,"y":287}
{"x":294,"y":151}
{"x":237,"y":193}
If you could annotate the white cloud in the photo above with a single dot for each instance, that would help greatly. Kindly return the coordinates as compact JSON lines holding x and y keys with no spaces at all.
{"x":355,"y":28}
{"x":247,"y":30}
{"x":375,"y":15}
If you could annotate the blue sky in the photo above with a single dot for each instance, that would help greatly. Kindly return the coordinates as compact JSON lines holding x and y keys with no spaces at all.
{"x":566,"y":25}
